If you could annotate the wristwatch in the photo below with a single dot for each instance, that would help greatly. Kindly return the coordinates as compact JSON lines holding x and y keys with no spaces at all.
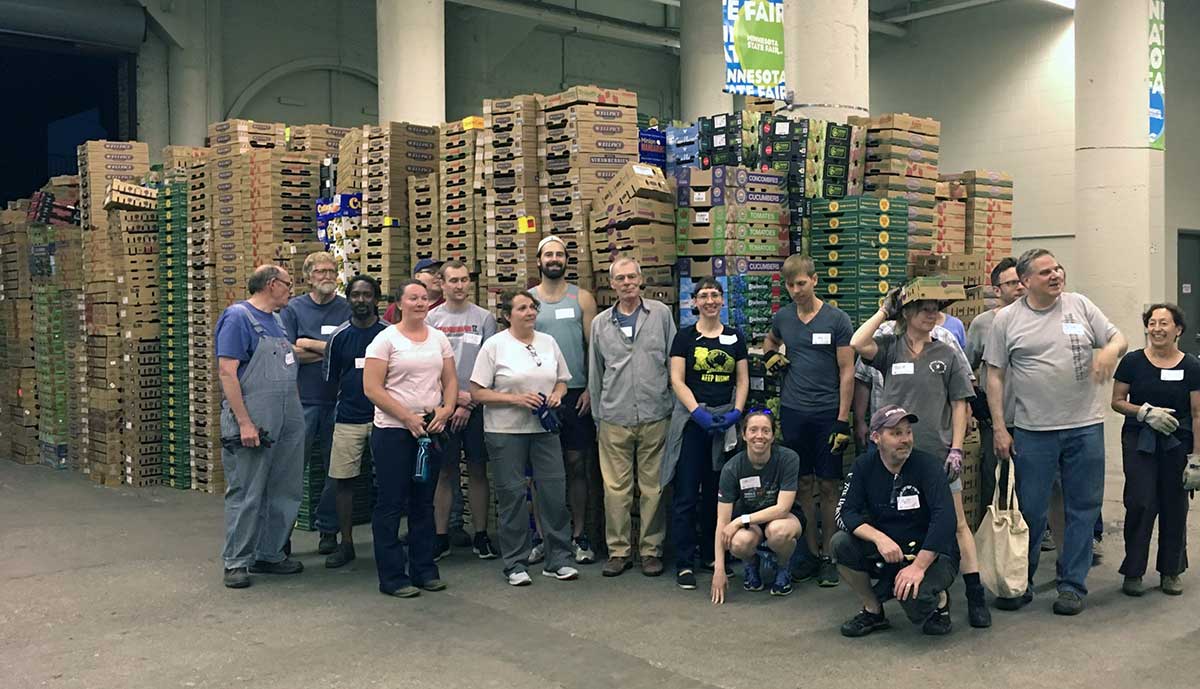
{"x":745,"y":520}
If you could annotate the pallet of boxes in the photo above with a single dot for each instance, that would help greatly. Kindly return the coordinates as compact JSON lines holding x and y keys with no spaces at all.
{"x":512,"y":211}
{"x":859,"y":247}
{"x":322,"y":139}
{"x":587,"y":136}
{"x":988,"y":213}
{"x":19,"y":372}
{"x":633,"y":219}
{"x":424,"y":218}
{"x":460,"y":209}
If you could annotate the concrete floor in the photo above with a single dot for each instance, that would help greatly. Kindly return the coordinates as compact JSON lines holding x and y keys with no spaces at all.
{"x":121,"y":588}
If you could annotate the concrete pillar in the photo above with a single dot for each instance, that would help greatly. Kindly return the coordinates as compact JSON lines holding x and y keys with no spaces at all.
{"x":411,"y":38}
{"x":188,"y":78}
{"x":215,"y":112}
{"x":827,"y":57}
{"x":702,"y":60}
{"x":153,"y":114}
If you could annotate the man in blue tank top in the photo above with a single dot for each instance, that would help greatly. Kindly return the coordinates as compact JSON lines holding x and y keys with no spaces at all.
{"x":566,"y":315}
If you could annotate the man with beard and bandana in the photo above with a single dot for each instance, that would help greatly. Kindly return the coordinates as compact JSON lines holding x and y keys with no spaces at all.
{"x":566,"y":315}
{"x":310,"y":319}
{"x":345,"y":358}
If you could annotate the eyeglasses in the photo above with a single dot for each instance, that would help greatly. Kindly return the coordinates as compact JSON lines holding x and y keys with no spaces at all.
{"x":1010,"y":283}
{"x":324,"y":271}
{"x":533,"y":353}
{"x":759,"y":410}
{"x":286,"y":283}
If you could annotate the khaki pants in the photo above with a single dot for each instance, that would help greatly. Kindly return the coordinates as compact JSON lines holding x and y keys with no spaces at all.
{"x":624,"y":449}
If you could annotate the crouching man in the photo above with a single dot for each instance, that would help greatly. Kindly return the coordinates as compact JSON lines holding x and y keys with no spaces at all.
{"x":898,"y":527}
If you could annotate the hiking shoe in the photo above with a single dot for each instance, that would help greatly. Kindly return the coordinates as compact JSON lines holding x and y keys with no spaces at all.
{"x":284,"y":566}
{"x":482,"y":545}
{"x":616,"y":566}
{"x":563,"y":573}
{"x":239,"y":578}
{"x":404,"y":592}
{"x":584,"y":554}
{"x":827,"y":574}
{"x":1171,"y":585}
{"x":939,"y":623}
{"x":328,"y":544}
{"x":685,"y":579}
{"x":806,"y":568}
{"x":434,"y":585}
{"x":652,"y":566}
{"x":537,"y":553}
{"x":978,"y":614}
{"x":1048,"y":545}
{"x":1068,"y":603}
{"x":342,"y":556}
{"x":519,"y":578}
{"x":752,"y":577}
{"x":1015,"y":603}
{"x":441,"y":546}
{"x":864,"y":623}
{"x":1133,"y":586}
{"x":459,"y":538}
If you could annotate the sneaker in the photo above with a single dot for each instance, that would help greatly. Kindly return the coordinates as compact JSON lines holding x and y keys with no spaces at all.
{"x":459,"y":538}
{"x":482,"y":545}
{"x":342,"y":556}
{"x":1015,"y":603}
{"x":284,"y":566}
{"x":405,"y":592}
{"x":652,"y":566}
{"x":616,"y":566}
{"x":864,"y":623}
{"x":978,"y":614}
{"x":328,"y":544}
{"x":519,"y":578}
{"x":1133,"y":586}
{"x":584,"y":554}
{"x":239,"y":578}
{"x":1048,"y":545}
{"x":752,"y":577}
{"x":1171,"y":585}
{"x":685,"y":579}
{"x":827,"y":574}
{"x":434,"y":585}
{"x":1068,"y":603}
{"x":711,"y":566}
{"x":939,"y":623}
{"x":783,"y":582}
{"x":563,"y":573}
{"x":441,"y":546}
{"x":1097,"y":552}
{"x":537,"y":553}
{"x":805,"y":569}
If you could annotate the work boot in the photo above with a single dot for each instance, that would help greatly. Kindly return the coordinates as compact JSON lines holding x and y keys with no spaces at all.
{"x":1015,"y":603}
{"x":616,"y":566}
{"x":652,"y":566}
{"x":344,"y":555}
{"x":1068,"y":603}
{"x":284,"y":566}
{"x":1133,"y":586}
{"x":1171,"y":585}
{"x":328,"y":544}
{"x":237,"y":578}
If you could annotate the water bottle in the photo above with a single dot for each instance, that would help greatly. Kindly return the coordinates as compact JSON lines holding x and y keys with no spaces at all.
{"x":421,"y":468}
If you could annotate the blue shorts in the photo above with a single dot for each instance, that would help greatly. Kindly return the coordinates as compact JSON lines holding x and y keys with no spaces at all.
{"x":808,"y":436}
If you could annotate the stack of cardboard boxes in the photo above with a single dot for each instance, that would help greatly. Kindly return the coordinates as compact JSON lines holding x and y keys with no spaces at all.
{"x":19,"y":371}
{"x":683,"y":148}
{"x":988,"y":212}
{"x":204,"y":307}
{"x":633,"y":217}
{"x":728,"y":139}
{"x":949,"y":223}
{"x":828,"y":157}
{"x":232,"y":136}
{"x":319,"y":138}
{"x":424,"y":219}
{"x":174,"y":307}
{"x":859,"y":247}
{"x":460,"y":209}
{"x":902,"y":163}
{"x":587,"y":136}
{"x":512,"y":211}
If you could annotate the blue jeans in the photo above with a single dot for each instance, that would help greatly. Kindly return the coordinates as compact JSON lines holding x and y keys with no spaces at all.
{"x":695,"y":485}
{"x":318,"y":440}
{"x":395,"y":452}
{"x":1078,"y":453}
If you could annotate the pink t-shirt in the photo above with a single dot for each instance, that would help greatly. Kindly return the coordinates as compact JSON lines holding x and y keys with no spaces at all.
{"x":414,"y":370}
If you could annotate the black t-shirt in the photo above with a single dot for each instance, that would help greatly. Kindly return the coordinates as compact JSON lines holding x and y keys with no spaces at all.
{"x":913,"y":506}
{"x":752,"y":489}
{"x":345,"y":357}
{"x":1161,"y":387}
{"x":711,"y":362}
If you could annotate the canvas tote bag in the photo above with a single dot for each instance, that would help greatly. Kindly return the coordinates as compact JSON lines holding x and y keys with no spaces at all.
{"x":1002,"y":542}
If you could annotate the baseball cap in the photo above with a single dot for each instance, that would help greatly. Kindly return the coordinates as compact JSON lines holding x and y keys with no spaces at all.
{"x":426,"y":264}
{"x":547,"y":239}
{"x":890,"y":415}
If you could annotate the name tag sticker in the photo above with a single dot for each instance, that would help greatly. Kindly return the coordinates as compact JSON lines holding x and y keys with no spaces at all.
{"x":727,"y":339}
{"x":328,"y":329}
{"x":628,"y":330}
{"x":902,"y":368}
{"x":822,"y":338}
{"x":750,"y":482}
{"x":564,"y":314}
{"x":360,"y":362}
{"x":1074,"y":329}
{"x":472,"y":338}
{"x":908,"y":502}
{"x":289,"y":358}
{"x":1172,"y":375}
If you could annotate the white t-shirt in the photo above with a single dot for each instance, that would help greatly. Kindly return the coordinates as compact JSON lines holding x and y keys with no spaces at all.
{"x":414,"y":370}
{"x":506,"y":364}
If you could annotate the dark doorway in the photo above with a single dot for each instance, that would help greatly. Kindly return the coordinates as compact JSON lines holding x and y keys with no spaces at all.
{"x":1189,"y":288}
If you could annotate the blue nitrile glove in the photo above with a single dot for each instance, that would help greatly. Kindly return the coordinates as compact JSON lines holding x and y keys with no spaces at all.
{"x":730,"y":418}
{"x":704,"y":419}
{"x":547,"y":416}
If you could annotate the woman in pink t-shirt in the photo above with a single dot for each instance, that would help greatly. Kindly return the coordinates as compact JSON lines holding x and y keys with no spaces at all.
{"x":409,"y":375}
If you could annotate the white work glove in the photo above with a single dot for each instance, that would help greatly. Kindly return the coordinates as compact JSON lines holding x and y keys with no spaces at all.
{"x":1158,"y":418}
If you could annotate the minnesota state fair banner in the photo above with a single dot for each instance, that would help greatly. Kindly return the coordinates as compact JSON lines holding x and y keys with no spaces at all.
{"x":1158,"y":75}
{"x":753,"y":35}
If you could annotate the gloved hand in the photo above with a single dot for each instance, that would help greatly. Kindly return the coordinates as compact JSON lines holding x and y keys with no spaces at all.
{"x":547,"y":416}
{"x":892,"y":302}
{"x":777,"y":364}
{"x":954,"y":460}
{"x":839,"y":436}
{"x":728,"y":419}
{"x":1191,"y":473}
{"x":1158,"y":418}
{"x":704,"y":419}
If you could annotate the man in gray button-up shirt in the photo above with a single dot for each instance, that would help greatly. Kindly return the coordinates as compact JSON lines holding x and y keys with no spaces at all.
{"x":628,"y":381}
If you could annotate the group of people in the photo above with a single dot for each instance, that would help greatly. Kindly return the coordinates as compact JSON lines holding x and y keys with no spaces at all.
{"x":581,"y":413}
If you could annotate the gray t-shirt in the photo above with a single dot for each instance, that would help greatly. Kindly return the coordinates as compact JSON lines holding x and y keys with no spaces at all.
{"x":925,"y":385}
{"x":977,"y":337}
{"x":869,"y":374}
{"x":466,"y":330}
{"x":1047,"y":357}
{"x":305,"y":318}
{"x":812,"y":384}
{"x":751,"y":489}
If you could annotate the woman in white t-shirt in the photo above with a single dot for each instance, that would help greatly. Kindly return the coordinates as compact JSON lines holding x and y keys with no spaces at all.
{"x":520,"y":377}
{"x":408,"y":374}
